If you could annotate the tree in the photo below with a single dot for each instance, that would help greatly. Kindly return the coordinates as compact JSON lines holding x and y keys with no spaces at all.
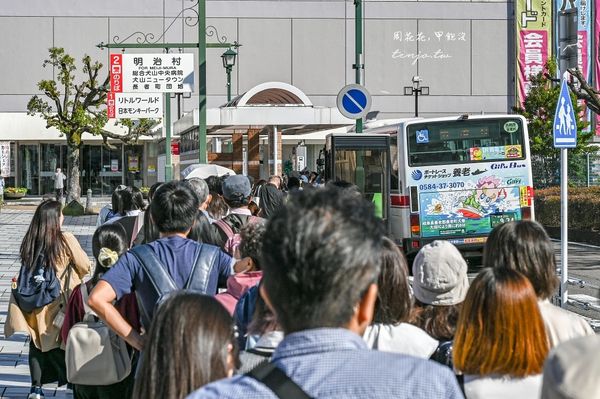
{"x":583,"y":91}
{"x":74,"y":108}
{"x":538,"y":108}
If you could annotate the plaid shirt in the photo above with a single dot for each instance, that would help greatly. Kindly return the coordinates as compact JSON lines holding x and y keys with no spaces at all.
{"x":336,"y":363}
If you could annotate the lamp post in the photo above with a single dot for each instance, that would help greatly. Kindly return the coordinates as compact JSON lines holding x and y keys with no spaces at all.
{"x":415,"y":90}
{"x":228,"y":58}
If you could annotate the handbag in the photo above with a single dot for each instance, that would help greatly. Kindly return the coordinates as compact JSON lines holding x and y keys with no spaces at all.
{"x":36,"y":286}
{"x":94,"y":354}
{"x":59,"y":319}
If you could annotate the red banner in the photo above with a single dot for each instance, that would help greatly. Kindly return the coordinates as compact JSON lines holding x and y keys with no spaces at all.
{"x":116,"y":73}
{"x":533,"y":45}
{"x":110,"y":105}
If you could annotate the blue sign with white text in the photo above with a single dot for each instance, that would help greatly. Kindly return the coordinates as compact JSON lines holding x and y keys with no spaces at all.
{"x":565,"y":125}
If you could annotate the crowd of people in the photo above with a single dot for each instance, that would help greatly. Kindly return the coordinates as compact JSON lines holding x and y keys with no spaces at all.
{"x":221,"y":288}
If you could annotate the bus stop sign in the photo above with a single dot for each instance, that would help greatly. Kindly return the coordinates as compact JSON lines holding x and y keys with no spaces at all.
{"x":354,"y":101}
{"x":565,"y":124}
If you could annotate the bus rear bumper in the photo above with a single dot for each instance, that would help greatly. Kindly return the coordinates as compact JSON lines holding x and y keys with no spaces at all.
{"x":471,"y":248}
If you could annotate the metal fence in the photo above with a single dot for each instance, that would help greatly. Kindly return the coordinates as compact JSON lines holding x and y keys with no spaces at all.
{"x":584,"y":171}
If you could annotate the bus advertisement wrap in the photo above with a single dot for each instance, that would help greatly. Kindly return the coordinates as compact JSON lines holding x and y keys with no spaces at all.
{"x":467,"y":200}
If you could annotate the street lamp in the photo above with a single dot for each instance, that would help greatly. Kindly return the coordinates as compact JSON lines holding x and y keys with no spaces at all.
{"x":415,"y":90}
{"x":228,"y":63}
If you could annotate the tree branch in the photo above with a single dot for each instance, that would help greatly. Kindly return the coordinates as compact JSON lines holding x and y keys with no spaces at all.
{"x":583,"y":91}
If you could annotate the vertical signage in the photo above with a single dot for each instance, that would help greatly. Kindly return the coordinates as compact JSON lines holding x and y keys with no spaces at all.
{"x":5,"y":158}
{"x":110,"y":105}
{"x":534,"y":34}
{"x":116,"y":73}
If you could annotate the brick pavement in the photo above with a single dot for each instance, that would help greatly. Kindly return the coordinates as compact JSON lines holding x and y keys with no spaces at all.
{"x":14,"y":370}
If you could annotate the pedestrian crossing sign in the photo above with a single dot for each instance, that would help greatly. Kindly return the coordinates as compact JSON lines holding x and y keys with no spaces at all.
{"x":565,"y":124}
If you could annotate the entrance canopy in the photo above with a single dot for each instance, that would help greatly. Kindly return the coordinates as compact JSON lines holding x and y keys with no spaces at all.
{"x":268,"y":104}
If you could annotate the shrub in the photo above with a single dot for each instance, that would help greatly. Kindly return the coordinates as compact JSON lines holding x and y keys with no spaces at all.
{"x":584,"y":207}
{"x":15,"y":190}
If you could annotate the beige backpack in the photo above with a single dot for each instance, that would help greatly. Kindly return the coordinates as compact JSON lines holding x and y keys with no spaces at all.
{"x":94,"y":354}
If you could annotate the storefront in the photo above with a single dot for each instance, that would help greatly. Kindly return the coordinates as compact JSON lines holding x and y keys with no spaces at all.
{"x":102,"y":169}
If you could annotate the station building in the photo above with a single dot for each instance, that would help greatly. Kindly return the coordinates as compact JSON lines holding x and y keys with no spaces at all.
{"x":294,"y":58}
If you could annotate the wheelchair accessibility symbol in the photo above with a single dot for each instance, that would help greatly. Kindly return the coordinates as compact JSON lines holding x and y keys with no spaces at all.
{"x":422,"y":136}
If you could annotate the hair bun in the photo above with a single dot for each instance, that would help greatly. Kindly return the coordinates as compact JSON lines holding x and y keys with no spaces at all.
{"x":107,"y":257}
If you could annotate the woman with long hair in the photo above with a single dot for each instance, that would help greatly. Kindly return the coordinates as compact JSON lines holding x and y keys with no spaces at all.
{"x":108,"y":244}
{"x":500,"y":343}
{"x":524,"y":246}
{"x":174,"y":363}
{"x":61,"y":252}
{"x":389,"y":330}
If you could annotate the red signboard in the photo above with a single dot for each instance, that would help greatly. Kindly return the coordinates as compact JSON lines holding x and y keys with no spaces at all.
{"x":116,"y":73}
{"x":175,"y":148}
{"x":110,"y":104}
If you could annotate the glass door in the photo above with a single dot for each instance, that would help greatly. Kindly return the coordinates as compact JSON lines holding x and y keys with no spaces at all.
{"x":134,"y":157}
{"x":112,"y":169}
{"x":29,"y":173}
{"x":52,"y":156}
{"x":91,"y":156}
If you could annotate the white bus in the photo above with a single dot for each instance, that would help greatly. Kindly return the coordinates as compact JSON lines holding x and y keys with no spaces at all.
{"x":451,"y":178}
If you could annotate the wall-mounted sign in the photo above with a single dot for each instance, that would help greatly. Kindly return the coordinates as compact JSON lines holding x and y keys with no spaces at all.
{"x":134,"y":105}
{"x":151,"y":73}
{"x":133,"y":163}
{"x":5,"y":158}
{"x":114,"y":165}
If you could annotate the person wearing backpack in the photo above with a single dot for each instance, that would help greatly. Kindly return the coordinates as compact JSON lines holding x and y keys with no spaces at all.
{"x":52,"y":264}
{"x":108,"y":244}
{"x":320,"y":280}
{"x":236,"y":193}
{"x":169,"y":264}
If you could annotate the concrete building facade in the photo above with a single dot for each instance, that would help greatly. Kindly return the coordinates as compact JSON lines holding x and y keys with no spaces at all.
{"x":462,"y":50}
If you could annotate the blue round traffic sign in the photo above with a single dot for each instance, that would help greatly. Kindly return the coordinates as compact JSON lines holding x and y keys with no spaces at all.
{"x":354,"y":101}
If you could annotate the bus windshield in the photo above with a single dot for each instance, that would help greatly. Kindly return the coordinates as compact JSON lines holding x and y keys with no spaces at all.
{"x":465,"y":141}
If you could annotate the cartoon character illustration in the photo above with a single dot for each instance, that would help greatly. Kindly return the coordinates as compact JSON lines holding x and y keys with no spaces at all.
{"x":476,"y":154}
{"x":484,"y":198}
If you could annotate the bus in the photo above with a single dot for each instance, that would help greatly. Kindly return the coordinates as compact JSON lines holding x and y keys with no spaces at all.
{"x":450,"y":178}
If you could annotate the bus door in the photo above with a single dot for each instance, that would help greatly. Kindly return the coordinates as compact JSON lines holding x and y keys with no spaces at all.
{"x":363,"y":160}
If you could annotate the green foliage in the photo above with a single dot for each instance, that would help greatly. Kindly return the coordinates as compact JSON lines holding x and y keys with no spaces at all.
{"x":78,"y":107}
{"x":71,"y":107}
{"x":584,"y":207}
{"x":15,"y":190}
{"x":538,"y":108}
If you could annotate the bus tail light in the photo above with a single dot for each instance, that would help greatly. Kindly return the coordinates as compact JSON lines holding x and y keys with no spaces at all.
{"x":415,"y":225}
{"x":526,"y":194}
{"x":414,"y":199}
{"x":526,"y":212}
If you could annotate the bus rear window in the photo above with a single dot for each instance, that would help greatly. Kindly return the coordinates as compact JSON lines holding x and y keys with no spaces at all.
{"x":448,"y":142}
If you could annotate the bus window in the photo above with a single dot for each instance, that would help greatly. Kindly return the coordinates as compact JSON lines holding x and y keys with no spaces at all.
{"x":394,"y":161}
{"x":448,"y":142}
{"x":365,"y":169}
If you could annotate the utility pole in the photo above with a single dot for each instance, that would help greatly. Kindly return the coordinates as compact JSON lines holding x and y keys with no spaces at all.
{"x":167,"y":126}
{"x":201,"y":45}
{"x":358,"y":46}
{"x":202,"y":81}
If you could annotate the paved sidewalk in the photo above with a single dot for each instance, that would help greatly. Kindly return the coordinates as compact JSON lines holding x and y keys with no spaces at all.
{"x":14,"y":369}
